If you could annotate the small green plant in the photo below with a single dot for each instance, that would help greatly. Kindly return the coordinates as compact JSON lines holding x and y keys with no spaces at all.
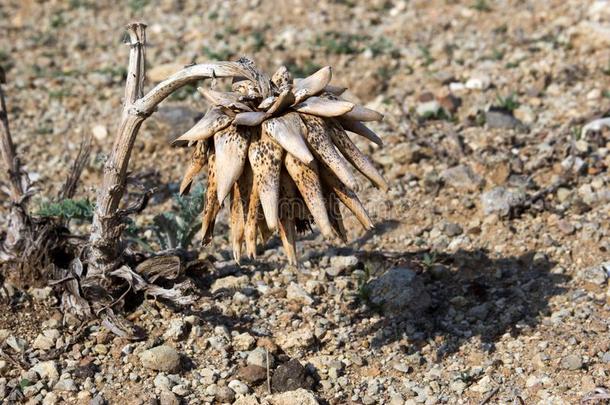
{"x":258,"y":38}
{"x":430,"y":259}
{"x":383,"y":46}
{"x":221,"y":54}
{"x":508,"y":103}
{"x":68,"y":209}
{"x":24,"y":382}
{"x":137,"y":5}
{"x":425,"y":53}
{"x":176,"y":230}
{"x":481,"y":5}
{"x":440,"y":114}
{"x":341,"y":43}
{"x":363,"y":292}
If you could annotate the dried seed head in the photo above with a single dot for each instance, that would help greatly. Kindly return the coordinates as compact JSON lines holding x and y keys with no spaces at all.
{"x":279,"y":147}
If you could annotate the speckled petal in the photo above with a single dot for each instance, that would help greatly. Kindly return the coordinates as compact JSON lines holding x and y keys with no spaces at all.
{"x":228,"y":100}
{"x":360,"y":113}
{"x":240,"y":197}
{"x":250,"y":118}
{"x":315,"y":83}
{"x":307,"y":181}
{"x":318,"y":138}
{"x":198,"y":161}
{"x":324,"y":107}
{"x":359,"y":128}
{"x":211,"y":208}
{"x":252,"y":221}
{"x":289,"y":207}
{"x":231,"y":147}
{"x":347,"y":197}
{"x":266,"y":160}
{"x":213,"y":121}
{"x":355,"y":156}
{"x":334,"y":214}
{"x":287,"y":131}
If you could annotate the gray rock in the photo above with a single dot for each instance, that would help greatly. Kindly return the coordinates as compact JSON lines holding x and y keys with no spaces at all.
{"x":298,"y":294}
{"x":452,"y":229}
{"x":161,"y":358}
{"x":498,"y":119}
{"x":168,"y":398}
{"x":67,"y":384}
{"x":41,"y":294}
{"x":50,"y":399}
{"x":162,"y":382}
{"x":399,"y":291}
{"x":46,"y":340}
{"x":247,"y":400}
{"x":258,"y":357}
{"x":340,"y":264}
{"x":224,"y":394}
{"x":244,"y":341}
{"x":229,"y":283}
{"x":16,"y":343}
{"x":606,"y":358}
{"x":97,"y":400}
{"x":47,"y":370}
{"x":239,"y":387}
{"x":462,"y":177}
{"x":597,"y":274}
{"x":501,"y":200}
{"x":177,"y":330}
{"x":297,"y":397}
{"x":572,"y":362}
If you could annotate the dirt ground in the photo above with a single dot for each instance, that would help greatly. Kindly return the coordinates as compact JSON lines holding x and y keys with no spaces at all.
{"x":486,"y":277}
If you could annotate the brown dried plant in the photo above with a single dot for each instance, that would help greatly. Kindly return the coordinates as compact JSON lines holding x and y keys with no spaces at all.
{"x":280,"y":144}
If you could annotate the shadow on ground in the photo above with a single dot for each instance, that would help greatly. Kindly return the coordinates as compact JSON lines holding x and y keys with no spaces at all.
{"x":472,"y":295}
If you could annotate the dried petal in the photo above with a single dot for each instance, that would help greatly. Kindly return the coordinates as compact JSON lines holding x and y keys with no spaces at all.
{"x":307,"y":181}
{"x":231,"y":146}
{"x":197,"y":162}
{"x":355,"y":156}
{"x":347,"y":197}
{"x":319,"y":140}
{"x":360,"y":113}
{"x":315,"y":83}
{"x":334,"y":90}
{"x":240,"y":197}
{"x":211,"y":207}
{"x":287,"y":131}
{"x":283,"y":101}
{"x":266,"y":160}
{"x":213,"y":121}
{"x":282,"y":78}
{"x":359,"y":128}
{"x":334,"y":214}
{"x":324,"y":107}
{"x":289,"y":207}
{"x":225,"y":99}
{"x":250,"y":118}
{"x":252,"y":221}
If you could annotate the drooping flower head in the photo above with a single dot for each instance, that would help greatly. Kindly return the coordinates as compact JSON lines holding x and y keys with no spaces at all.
{"x":280,"y":145}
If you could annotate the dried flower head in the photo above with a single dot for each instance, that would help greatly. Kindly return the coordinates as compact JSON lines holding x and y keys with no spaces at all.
{"x":280,"y":144}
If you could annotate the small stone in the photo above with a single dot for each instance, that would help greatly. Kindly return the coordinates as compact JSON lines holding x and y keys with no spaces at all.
{"x":291,"y":376}
{"x":478,"y":82}
{"x":161,"y":358}
{"x":572,"y":362}
{"x":46,"y":340}
{"x":258,"y":357}
{"x":65,"y":385}
{"x":176,"y":330}
{"x":301,"y":338}
{"x":50,"y":399}
{"x":47,"y":370}
{"x":100,"y":132}
{"x":244,"y":341}
{"x":300,"y":397}
{"x":239,"y":387}
{"x":597,"y":274}
{"x":499,"y":119}
{"x":340,"y":264}
{"x":563,"y":194}
{"x":162,"y":382}
{"x":298,"y":294}
{"x":247,"y":400}
{"x":16,"y":343}
{"x":452,"y":229}
{"x":428,"y":109}
{"x":501,"y":200}
{"x":229,"y":283}
{"x":168,"y":398}
{"x":97,"y":400}
{"x":399,"y":291}
{"x":606,"y":358}
{"x":224,"y":394}
{"x":41,"y":294}
{"x":525,"y":114}
{"x":462,"y":178}
{"x":252,"y":374}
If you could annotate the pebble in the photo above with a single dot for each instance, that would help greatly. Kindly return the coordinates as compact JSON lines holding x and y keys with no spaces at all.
{"x":298,"y":294}
{"x":229,"y":283}
{"x":243,"y":341}
{"x":258,"y":357}
{"x":341,"y":264}
{"x":66,"y":385}
{"x":597,"y":274}
{"x":572,"y":362}
{"x":501,"y":200}
{"x":496,"y":119}
{"x":399,"y":291}
{"x":291,"y":376}
{"x":100,"y":132}
{"x":47,"y":370}
{"x":300,"y":397}
{"x":239,"y":387}
{"x":224,"y":394}
{"x":462,"y":178}
{"x":478,"y":82}
{"x":161,"y":358}
{"x":252,"y":374}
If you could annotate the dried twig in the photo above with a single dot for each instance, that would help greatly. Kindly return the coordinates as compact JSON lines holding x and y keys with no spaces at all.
{"x":105,"y":250}
{"x":489,"y":396}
